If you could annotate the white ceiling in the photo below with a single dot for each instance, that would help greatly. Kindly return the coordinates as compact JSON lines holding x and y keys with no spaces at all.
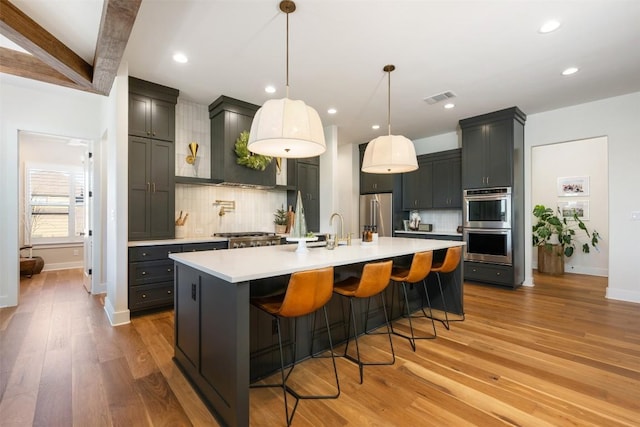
{"x":489,"y":53}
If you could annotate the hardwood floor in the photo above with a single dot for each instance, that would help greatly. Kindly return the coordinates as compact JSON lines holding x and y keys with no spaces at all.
{"x":555,"y":354}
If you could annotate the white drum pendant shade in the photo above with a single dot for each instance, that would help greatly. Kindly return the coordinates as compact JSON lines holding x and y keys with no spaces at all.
{"x":390,"y":154}
{"x":286,"y":128}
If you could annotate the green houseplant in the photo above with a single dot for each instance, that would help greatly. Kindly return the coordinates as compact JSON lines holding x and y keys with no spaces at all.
{"x":556,"y":237}
{"x":280,"y":220}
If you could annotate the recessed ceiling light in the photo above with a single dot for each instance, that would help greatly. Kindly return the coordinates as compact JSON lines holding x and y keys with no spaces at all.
{"x":549,"y":26}
{"x":375,"y":127}
{"x":332,"y":111}
{"x":270,"y":89}
{"x":180,"y":57}
{"x":449,"y":106}
{"x":569,"y":71}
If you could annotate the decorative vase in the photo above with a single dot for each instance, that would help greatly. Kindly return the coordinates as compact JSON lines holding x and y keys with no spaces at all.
{"x":551,"y":261}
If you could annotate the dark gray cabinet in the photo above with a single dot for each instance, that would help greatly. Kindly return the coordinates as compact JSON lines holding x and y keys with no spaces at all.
{"x":417,"y":192}
{"x":447,"y":181}
{"x":151,"y":273}
{"x":488,"y":147}
{"x":152,"y":110}
{"x":493,"y":156}
{"x":374,"y":182}
{"x":187,"y":326}
{"x":230,"y":117}
{"x":151,"y":189}
{"x":151,"y":160}
{"x":304,"y":175}
{"x":436,"y":184}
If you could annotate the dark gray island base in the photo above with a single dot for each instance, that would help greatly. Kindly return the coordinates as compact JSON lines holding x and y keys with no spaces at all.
{"x":222,"y":343}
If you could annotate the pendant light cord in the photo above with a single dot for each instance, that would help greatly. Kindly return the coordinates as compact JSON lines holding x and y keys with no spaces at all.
{"x":287,"y":54}
{"x":389,"y":102}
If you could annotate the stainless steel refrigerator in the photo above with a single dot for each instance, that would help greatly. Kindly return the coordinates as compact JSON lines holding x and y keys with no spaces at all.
{"x":377,"y":209}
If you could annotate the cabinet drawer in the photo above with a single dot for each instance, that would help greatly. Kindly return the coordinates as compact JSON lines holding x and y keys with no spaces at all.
{"x":490,"y":273}
{"x":209,"y":246}
{"x":149,"y":253}
{"x":141,"y":273}
{"x":150,"y":296}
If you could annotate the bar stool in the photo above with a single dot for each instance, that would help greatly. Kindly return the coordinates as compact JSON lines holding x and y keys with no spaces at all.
{"x":307,"y":292}
{"x":373,"y":281}
{"x":448,"y":265}
{"x":417,"y":272}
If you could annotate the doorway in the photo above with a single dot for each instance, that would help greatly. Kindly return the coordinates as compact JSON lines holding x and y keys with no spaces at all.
{"x":584,"y":161}
{"x":56,"y":200}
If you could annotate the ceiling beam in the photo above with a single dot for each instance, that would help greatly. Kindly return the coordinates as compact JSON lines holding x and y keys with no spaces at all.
{"x":28,"y":34}
{"x":25,"y":65}
{"x":116,"y":23}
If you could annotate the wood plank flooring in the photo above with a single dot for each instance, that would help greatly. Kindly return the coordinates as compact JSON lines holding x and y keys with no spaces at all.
{"x":556,"y":354}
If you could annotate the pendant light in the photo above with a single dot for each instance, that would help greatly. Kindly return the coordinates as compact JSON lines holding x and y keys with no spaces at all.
{"x":285,"y":127}
{"x":390,"y":153}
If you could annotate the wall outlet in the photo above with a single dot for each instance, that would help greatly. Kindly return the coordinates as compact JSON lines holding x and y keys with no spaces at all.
{"x":635,"y":216}
{"x":76,"y":252}
{"x":198,"y":231}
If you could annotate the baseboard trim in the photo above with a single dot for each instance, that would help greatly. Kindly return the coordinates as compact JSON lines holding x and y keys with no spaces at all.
{"x":62,"y":266}
{"x":622,"y":295}
{"x":116,"y":318}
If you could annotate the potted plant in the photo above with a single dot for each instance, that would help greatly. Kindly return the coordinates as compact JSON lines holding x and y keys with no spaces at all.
{"x":556,"y":236}
{"x":280,"y":220}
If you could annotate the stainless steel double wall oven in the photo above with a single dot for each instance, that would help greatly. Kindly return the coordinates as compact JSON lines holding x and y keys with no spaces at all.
{"x":487,"y":225}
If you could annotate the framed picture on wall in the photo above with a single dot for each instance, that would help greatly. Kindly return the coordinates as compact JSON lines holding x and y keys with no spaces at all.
{"x":573,"y":186}
{"x":579,"y":207}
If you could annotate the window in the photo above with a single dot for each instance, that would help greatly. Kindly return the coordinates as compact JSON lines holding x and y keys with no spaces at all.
{"x":54,"y":203}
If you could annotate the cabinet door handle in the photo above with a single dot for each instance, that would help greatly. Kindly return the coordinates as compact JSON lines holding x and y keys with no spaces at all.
{"x":144,"y":296}
{"x":144,"y":273}
{"x":154,"y":187}
{"x":148,"y":186}
{"x":193,"y":291}
{"x":144,"y":254}
{"x":497,"y":274}
{"x":487,"y":180}
{"x":169,"y":292}
{"x":148,"y":133}
{"x":168,"y":270}
{"x":154,"y":134}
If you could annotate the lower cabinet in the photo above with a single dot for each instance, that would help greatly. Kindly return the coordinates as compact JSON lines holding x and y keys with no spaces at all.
{"x":496,"y":274}
{"x":151,"y":273}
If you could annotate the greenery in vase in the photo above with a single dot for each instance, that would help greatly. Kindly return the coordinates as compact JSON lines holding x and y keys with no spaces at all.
{"x":280,"y":217}
{"x":551,"y":224}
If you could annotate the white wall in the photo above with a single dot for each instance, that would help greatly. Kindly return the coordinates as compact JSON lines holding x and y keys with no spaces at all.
{"x":38,"y":107}
{"x":571,"y":159}
{"x":618,"y":119}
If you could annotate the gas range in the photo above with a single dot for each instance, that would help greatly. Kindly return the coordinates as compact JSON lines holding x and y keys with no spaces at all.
{"x":249,"y":239}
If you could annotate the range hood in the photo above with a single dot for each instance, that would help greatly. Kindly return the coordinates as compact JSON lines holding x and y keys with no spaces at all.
{"x":229,"y":117}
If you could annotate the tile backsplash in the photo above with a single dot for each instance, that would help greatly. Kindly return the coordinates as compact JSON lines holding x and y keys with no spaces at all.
{"x":442,"y":220}
{"x":254,"y":209}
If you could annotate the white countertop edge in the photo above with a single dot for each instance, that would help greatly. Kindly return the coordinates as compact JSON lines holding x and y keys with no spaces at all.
{"x":440,"y":233}
{"x":241,"y":265}
{"x":186,"y":240}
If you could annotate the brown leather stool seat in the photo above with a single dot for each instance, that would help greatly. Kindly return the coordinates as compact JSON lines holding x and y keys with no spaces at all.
{"x":416,"y":273}
{"x":448,"y":265}
{"x":306,"y":293}
{"x":373,"y":281}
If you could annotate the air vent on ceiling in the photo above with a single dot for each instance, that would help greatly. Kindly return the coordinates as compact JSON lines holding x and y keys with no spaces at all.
{"x":433,"y":99}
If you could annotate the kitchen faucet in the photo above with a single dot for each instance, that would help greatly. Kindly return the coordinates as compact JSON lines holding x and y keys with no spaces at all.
{"x":341,"y":235}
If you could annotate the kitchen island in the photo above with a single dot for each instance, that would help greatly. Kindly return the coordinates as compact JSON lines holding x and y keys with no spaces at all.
{"x":213,"y":327}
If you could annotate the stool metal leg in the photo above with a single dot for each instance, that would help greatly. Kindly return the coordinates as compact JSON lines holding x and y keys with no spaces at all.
{"x":407,"y":309}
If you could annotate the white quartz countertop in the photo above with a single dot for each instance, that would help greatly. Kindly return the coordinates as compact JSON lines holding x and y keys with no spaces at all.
{"x":439,"y":233}
{"x":183,"y":241}
{"x":239,"y":265}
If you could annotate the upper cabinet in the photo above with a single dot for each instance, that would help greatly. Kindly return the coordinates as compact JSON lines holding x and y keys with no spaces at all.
{"x":492,"y":146}
{"x":447,"y":180}
{"x":152,"y":110}
{"x":230,"y":117}
{"x":436,"y":183}
{"x":416,"y":186}
{"x":374,"y":182}
{"x":151,"y":187}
